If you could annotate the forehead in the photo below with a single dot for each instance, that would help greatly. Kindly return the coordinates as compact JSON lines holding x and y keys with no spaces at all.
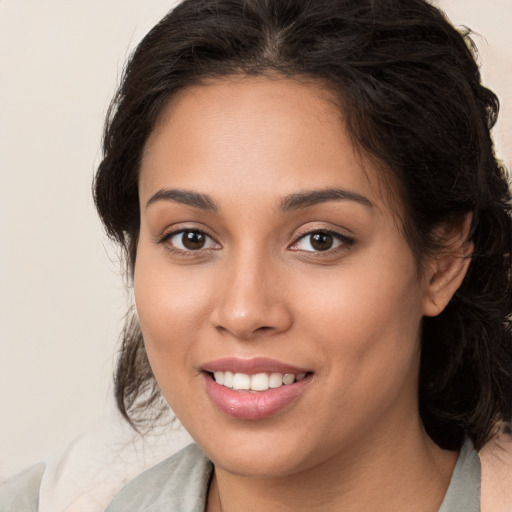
{"x":256,"y":137}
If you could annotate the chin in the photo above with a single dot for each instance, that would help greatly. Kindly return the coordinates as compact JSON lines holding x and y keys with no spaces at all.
{"x":260,"y":456}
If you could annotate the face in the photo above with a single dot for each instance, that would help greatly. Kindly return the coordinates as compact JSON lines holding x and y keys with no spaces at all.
{"x":269,"y":259}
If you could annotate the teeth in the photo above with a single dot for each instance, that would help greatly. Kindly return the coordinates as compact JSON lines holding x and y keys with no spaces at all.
{"x":275,"y":380}
{"x":228,"y":379}
{"x":289,"y":378}
{"x":257,"y":382}
{"x":241,"y":381}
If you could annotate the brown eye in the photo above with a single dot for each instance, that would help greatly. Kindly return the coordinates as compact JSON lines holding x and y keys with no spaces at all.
{"x":190,"y":240}
{"x":321,"y":241}
{"x":193,"y":240}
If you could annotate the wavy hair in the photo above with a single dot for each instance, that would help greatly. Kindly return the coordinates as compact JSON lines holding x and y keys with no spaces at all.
{"x":410,"y":92}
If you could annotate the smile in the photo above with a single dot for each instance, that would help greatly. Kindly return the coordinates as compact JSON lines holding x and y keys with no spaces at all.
{"x":257,"y":382}
{"x":254,"y":389}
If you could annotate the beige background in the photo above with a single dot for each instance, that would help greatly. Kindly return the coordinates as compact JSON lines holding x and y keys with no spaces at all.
{"x":61,"y":294}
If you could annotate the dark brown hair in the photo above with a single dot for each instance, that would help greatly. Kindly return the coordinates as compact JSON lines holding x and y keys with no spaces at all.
{"x":410,"y":92}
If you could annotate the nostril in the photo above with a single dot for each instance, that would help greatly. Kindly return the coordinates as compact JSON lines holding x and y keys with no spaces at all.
{"x":247,"y":321}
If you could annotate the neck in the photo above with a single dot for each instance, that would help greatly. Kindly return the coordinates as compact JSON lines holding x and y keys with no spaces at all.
{"x":385,"y":473}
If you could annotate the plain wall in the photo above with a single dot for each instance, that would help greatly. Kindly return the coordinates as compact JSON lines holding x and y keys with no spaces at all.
{"x":62,"y":299}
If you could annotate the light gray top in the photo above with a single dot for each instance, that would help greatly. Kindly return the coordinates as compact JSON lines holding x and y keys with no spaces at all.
{"x":20,"y":493}
{"x":180,"y":484}
{"x":463,"y":494}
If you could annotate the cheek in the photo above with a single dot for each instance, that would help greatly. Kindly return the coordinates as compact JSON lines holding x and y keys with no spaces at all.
{"x":368,"y":316}
{"x":172,"y":305}
{"x":367,"y":296}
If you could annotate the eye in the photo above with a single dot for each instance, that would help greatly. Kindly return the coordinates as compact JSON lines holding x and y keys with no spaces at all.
{"x":189,"y":240}
{"x":320,"y":241}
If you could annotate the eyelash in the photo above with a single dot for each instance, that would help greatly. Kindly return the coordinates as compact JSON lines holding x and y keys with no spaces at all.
{"x":343,"y":242}
{"x":181,"y":231}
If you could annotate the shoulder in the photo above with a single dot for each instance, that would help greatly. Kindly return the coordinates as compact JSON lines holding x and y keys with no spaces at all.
{"x":496,"y":457}
{"x":20,"y":493}
{"x":178,"y":483}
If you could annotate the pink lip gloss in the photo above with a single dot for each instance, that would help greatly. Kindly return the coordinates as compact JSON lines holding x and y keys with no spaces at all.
{"x":253,"y":405}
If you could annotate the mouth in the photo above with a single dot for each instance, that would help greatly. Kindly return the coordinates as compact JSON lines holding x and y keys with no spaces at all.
{"x":253,"y":389}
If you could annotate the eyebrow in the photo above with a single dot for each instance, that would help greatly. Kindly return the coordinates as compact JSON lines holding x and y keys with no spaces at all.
{"x":187,"y":197}
{"x":291,"y":202}
{"x":313,"y":197}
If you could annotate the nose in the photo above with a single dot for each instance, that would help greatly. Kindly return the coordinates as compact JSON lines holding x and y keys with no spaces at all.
{"x":251,"y":300}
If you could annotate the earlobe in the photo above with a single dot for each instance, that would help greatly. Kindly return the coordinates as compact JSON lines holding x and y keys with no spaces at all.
{"x":447,"y":270}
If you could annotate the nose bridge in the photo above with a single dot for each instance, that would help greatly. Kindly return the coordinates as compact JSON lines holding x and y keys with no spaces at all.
{"x":250,"y":300}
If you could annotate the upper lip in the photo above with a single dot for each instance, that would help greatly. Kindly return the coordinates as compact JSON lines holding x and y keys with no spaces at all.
{"x":251,"y":366}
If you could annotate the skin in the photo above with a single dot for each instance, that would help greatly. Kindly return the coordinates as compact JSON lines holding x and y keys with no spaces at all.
{"x":353,"y":441}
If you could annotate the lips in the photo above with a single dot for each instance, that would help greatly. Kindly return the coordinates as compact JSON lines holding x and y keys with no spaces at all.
{"x":253,"y":389}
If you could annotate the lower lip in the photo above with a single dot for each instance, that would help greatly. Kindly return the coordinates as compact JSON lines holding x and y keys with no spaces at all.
{"x":254,"y":405}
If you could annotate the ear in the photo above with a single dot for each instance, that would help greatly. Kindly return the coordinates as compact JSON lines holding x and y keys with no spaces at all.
{"x":446,"y":270}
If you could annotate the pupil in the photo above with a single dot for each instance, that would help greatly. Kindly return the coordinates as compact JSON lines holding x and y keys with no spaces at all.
{"x":193,"y":240}
{"x":321,"y":241}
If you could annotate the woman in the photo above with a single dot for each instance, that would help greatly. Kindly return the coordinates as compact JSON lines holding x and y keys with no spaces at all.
{"x":319,"y":237}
